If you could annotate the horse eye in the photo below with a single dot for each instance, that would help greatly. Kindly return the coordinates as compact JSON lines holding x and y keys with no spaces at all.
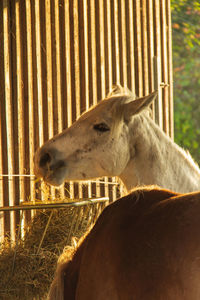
{"x":102,"y":127}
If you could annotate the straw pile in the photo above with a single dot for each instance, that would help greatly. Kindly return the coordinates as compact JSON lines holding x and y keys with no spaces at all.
{"x":27,"y":268}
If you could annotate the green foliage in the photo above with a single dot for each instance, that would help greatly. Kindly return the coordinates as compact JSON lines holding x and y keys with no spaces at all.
{"x":186,"y":60}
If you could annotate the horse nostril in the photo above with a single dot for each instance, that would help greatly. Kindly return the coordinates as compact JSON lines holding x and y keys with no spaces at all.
{"x":45,"y":159}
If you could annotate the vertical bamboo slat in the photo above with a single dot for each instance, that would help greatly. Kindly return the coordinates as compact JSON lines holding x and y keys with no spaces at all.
{"x":68,"y":63}
{"x":145,"y":48}
{"x":58,"y":67}
{"x":93,"y":48}
{"x":2,"y":159}
{"x":132,"y":48}
{"x":157,"y":64}
{"x":87,"y":90}
{"x":76,"y":57}
{"x":138,"y":48}
{"x":49,"y":68}
{"x":116,"y":29}
{"x":9,"y":116}
{"x":30,"y":94}
{"x":170,"y":69}
{"x":102,"y":48}
{"x":124,"y":50}
{"x":40,"y":87}
{"x":150,"y":29}
{"x":109,"y":46}
{"x":20,"y":102}
{"x":39,"y":72}
{"x":165,"y":67}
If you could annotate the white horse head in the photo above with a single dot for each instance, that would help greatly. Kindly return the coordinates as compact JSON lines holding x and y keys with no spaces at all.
{"x":96,"y":145}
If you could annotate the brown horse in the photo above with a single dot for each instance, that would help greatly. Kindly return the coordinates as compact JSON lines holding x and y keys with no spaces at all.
{"x":144,"y":246}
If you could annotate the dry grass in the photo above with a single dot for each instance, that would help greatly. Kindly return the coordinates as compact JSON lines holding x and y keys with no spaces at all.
{"x":27,"y":268}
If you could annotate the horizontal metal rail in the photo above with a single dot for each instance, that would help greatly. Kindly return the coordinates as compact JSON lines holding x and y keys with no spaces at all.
{"x":54,"y":205}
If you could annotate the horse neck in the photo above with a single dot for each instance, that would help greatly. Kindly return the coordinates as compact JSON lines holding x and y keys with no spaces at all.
{"x":156,"y":159}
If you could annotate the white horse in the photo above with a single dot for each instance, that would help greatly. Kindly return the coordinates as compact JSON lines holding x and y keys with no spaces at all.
{"x":118,"y":138}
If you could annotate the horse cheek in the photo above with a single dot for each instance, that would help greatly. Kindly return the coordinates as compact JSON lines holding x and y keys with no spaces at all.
{"x":118,"y":161}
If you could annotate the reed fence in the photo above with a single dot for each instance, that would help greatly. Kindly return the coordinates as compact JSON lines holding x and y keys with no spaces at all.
{"x":59,"y":57}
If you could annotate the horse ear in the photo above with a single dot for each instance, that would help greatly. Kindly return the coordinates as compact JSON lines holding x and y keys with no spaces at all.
{"x":136,"y":106}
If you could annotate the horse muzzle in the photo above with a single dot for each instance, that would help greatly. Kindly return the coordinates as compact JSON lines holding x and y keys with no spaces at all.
{"x":49,"y":166}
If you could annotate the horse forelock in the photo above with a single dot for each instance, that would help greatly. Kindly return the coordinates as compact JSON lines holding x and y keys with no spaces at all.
{"x":118,"y":90}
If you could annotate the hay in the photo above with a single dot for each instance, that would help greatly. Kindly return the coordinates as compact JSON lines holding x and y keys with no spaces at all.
{"x":27,"y":268}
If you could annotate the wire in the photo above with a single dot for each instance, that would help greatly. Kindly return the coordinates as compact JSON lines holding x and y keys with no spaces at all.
{"x":84,"y":182}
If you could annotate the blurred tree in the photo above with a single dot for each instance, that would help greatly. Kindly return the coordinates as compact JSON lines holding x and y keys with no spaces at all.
{"x":186,"y":61}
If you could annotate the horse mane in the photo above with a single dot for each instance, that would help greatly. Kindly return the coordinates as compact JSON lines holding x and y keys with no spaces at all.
{"x":187,"y":157}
